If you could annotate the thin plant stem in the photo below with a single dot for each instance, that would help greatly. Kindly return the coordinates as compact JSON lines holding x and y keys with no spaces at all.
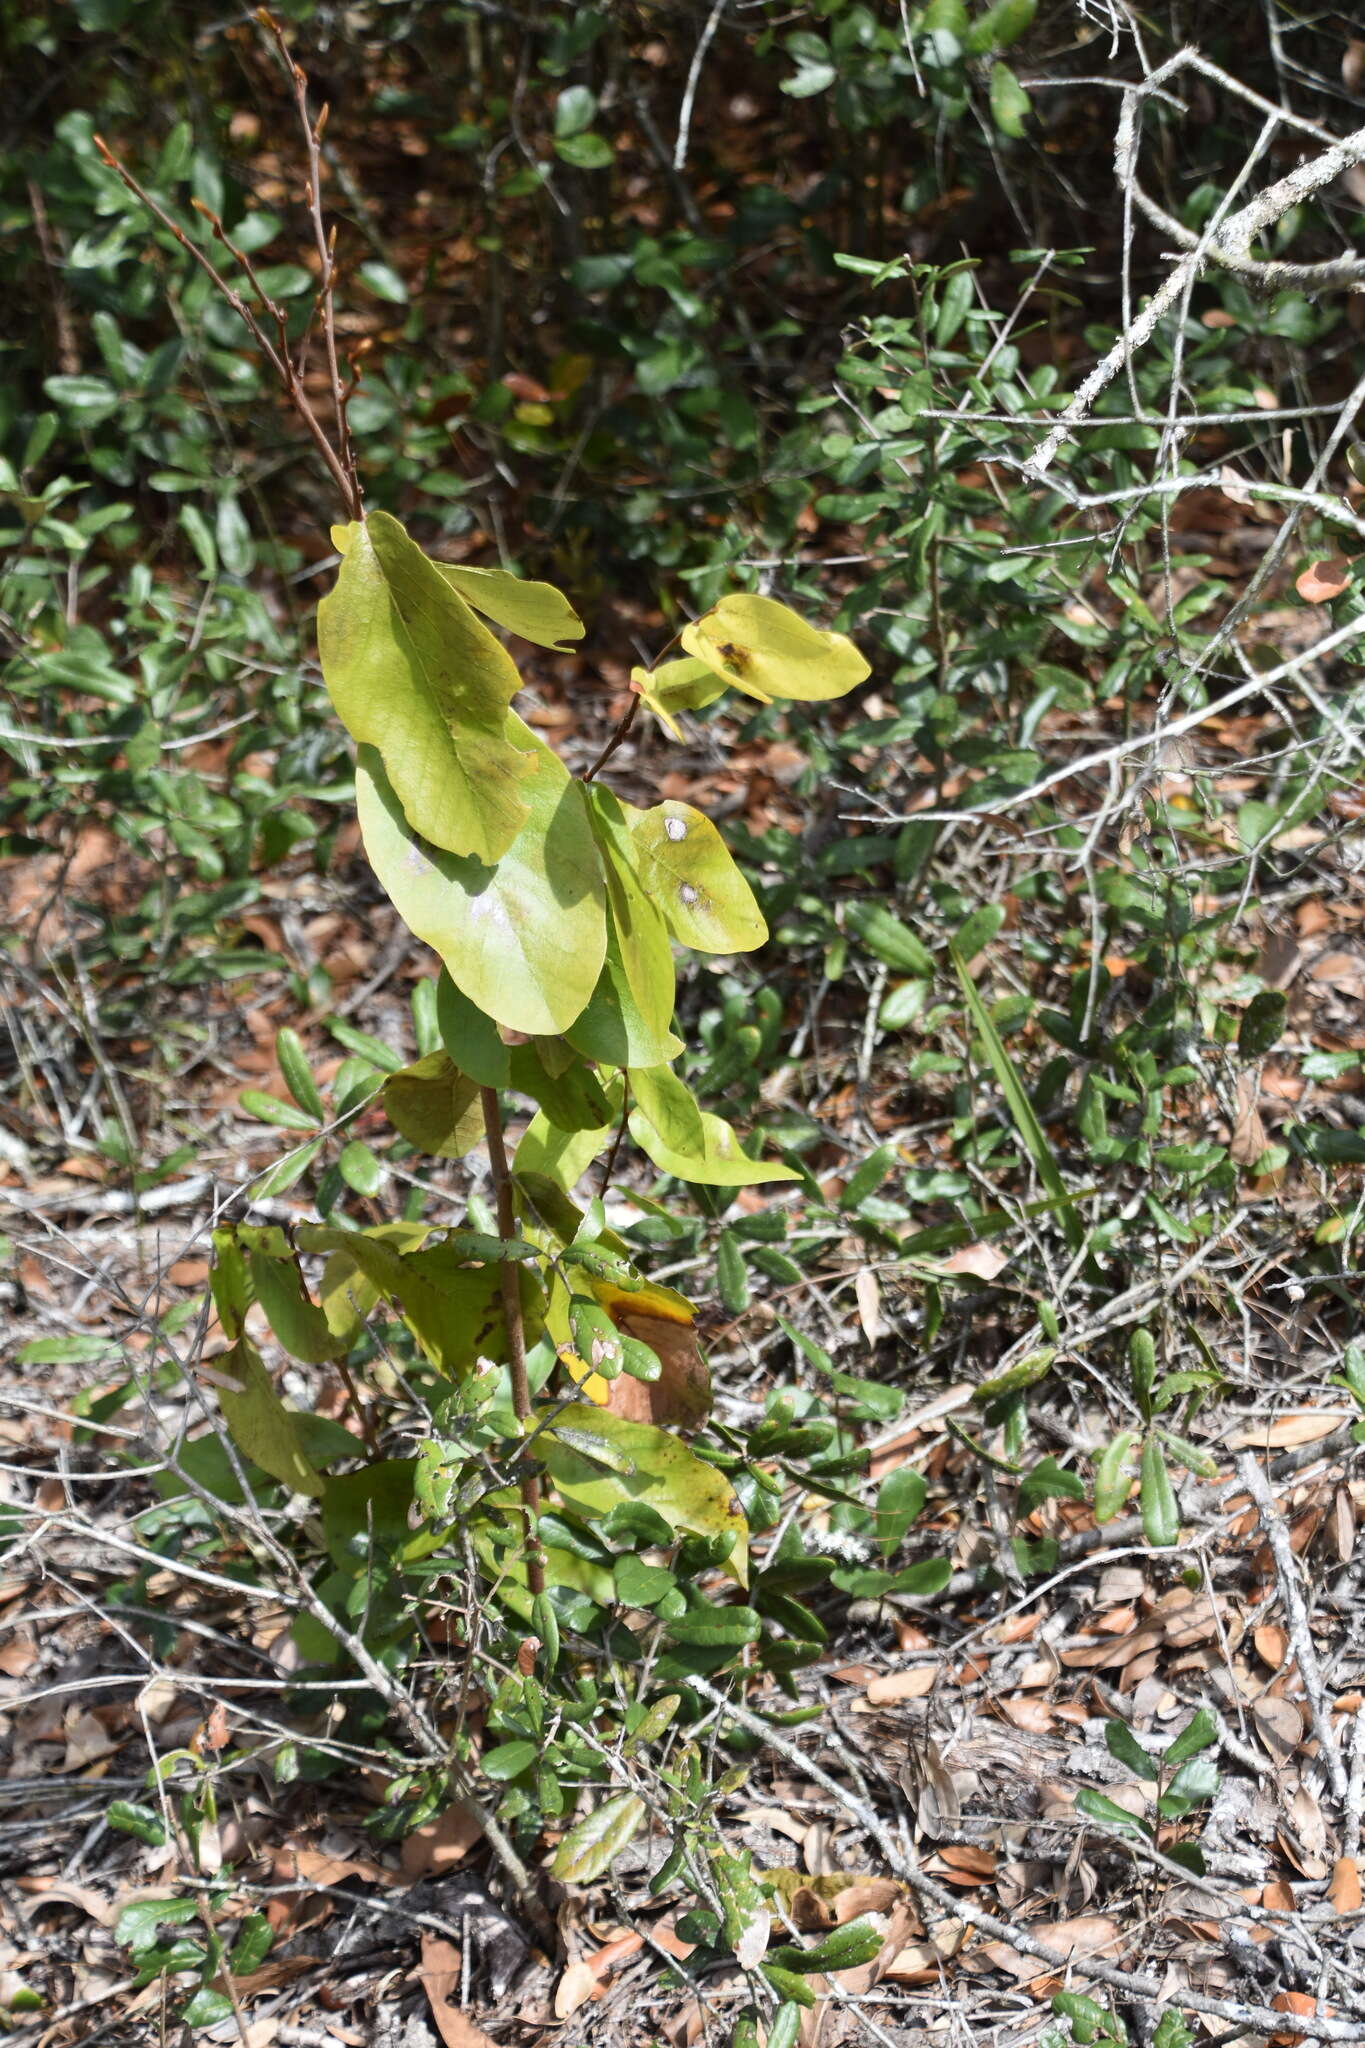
{"x":326,"y":246}
{"x":614,"y":742}
{"x":516,"y":1329}
{"x":275,"y":357}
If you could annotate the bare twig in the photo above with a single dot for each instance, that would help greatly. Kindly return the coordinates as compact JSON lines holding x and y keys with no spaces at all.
{"x":1226,"y":244}
{"x":1296,"y":1619}
{"x":326,"y":247}
{"x":339,"y":456}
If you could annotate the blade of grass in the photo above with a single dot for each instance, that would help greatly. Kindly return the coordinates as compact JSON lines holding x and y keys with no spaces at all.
{"x":1020,"y":1108}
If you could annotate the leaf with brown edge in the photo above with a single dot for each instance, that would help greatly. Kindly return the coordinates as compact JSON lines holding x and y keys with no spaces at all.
{"x":1321,"y":581}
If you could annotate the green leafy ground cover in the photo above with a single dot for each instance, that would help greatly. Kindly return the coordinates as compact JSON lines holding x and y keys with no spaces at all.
{"x":1059,"y":1042}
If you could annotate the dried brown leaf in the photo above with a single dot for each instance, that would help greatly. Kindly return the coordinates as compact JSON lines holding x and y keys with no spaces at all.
{"x":439,"y":1975}
{"x":1321,"y":581}
{"x":982,"y":1261}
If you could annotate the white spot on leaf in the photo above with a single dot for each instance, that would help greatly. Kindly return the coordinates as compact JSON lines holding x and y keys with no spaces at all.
{"x":688,"y":893}
{"x":676,"y":828}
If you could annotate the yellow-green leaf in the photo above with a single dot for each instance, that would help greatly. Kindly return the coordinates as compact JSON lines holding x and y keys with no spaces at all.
{"x":678,"y":686}
{"x":688,"y":1141}
{"x":564,"y":1156}
{"x":434,"y":1106}
{"x":414,"y":674}
{"x":639,"y":1462}
{"x":646,"y":957}
{"x":594,"y":1842}
{"x":534,"y":611}
{"x":612,"y":1028}
{"x":293,"y":1315}
{"x":1010,"y":105}
{"x":346,"y":1293}
{"x":686,"y":868}
{"x":438,"y":1298}
{"x":525,"y":939}
{"x":260,"y":1424}
{"x":769,"y":651}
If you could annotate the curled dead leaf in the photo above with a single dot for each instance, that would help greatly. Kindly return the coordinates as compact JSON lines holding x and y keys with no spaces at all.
{"x":913,"y":1684}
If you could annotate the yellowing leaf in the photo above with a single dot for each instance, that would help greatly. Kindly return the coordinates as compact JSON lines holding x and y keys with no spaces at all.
{"x":641,"y":1463}
{"x":414,"y":674}
{"x":434,"y":1106}
{"x":593,"y":1842}
{"x":261,"y":1426}
{"x":564,"y":1156}
{"x":525,"y":939}
{"x":768,"y":651}
{"x":534,"y":611}
{"x":685,"y":867}
{"x":346,"y":1293}
{"x":678,"y":686}
{"x":690,"y":1142}
{"x":613,"y":1029}
{"x":646,"y":957}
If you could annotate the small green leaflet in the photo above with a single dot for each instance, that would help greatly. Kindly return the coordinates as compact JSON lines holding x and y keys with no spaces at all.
{"x":678,"y":686}
{"x":689,"y":1142}
{"x":533,"y":611}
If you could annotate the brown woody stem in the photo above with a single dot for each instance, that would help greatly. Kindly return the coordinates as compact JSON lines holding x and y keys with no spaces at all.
{"x":614,"y":742}
{"x":516,"y":1331}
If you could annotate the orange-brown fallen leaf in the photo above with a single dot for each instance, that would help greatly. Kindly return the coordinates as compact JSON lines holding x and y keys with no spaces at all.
{"x":439,"y":1844}
{"x":1344,"y":1889}
{"x":1300,"y":2002}
{"x":587,"y":1977}
{"x":913,"y":1684}
{"x":980,"y":1261}
{"x":439,"y":1975}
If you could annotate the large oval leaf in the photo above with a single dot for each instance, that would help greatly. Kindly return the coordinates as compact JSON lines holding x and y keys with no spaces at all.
{"x":258,"y":1421}
{"x":642,"y":942}
{"x":534,"y":611}
{"x":769,"y":651}
{"x":524,"y":940}
{"x":565,"y":1156}
{"x":685,"y":867}
{"x":414,"y":674}
{"x":612,"y":1029}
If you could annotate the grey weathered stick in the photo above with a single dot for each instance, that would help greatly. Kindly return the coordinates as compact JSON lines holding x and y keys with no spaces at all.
{"x":1296,"y":1617}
